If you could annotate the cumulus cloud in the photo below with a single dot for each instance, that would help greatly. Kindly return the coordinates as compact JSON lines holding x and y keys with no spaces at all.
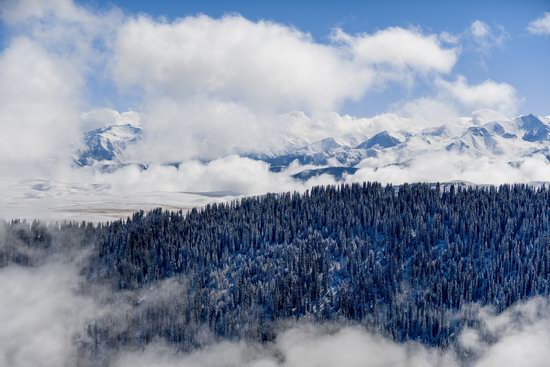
{"x":210,"y":87}
{"x":205,"y":103}
{"x":20,"y":11}
{"x":479,"y":38}
{"x":202,"y":128}
{"x":483,"y":38}
{"x":454,"y":99}
{"x":199,"y":129}
{"x":400,"y":48}
{"x":39,"y":103}
{"x":214,"y":87}
{"x":486,"y":37}
{"x":262,"y":64}
{"x":425,"y":111}
{"x":479,"y":29}
{"x":44,"y":70}
{"x":540,"y":26}
{"x":488,"y":94}
{"x":102,"y":117}
{"x":78,"y":34}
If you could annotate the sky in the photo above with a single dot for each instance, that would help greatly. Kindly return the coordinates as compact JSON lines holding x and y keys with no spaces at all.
{"x":508,"y":53}
{"x":513,"y":56}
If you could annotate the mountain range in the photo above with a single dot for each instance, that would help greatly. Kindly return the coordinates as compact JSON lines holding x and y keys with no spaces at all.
{"x":510,"y":141}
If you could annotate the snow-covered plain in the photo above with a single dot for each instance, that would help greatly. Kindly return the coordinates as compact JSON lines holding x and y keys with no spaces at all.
{"x":59,"y":201}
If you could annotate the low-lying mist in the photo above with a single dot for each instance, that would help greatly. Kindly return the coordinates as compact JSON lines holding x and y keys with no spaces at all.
{"x":53,"y":314}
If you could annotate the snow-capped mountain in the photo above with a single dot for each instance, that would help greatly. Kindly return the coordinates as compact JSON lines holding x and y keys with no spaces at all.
{"x":535,"y":128}
{"x":477,"y":140}
{"x":106,"y":146}
{"x":333,"y":153}
{"x":509,"y":141}
{"x":381,"y":140}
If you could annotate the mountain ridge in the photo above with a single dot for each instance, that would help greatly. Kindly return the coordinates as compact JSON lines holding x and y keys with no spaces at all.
{"x":511,"y":141}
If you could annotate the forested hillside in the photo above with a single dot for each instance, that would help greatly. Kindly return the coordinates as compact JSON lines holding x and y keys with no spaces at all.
{"x":397,"y":259}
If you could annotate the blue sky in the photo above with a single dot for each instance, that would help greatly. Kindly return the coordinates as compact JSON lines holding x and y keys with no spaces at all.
{"x":521,"y":60}
{"x":508,"y":55}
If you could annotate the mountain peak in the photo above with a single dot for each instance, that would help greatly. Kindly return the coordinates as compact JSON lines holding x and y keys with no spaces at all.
{"x":382,"y":140}
{"x":107,"y":144}
{"x":323,"y":145}
{"x":535,"y":128}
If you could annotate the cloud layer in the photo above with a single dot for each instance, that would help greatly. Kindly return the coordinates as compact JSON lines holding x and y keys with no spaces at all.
{"x":45,"y":311}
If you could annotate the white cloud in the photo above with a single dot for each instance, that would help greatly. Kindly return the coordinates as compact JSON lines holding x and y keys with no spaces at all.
{"x":400,"y":48}
{"x":485,"y":115}
{"x":201,"y":128}
{"x":488,"y":94}
{"x":303,"y":346}
{"x":14,"y":12}
{"x":65,"y":28}
{"x":265,"y":64}
{"x":40,"y":315}
{"x":39,"y":103}
{"x":445,"y":166}
{"x":449,"y":38}
{"x":208,"y":129}
{"x":429,"y":111}
{"x":105,"y":117}
{"x":518,"y":336}
{"x":454,"y":99}
{"x":479,"y":29}
{"x":483,"y":38}
{"x":214,"y":87}
{"x":540,"y":26}
{"x":232,"y":173}
{"x":53,"y":48}
{"x":262,"y":64}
